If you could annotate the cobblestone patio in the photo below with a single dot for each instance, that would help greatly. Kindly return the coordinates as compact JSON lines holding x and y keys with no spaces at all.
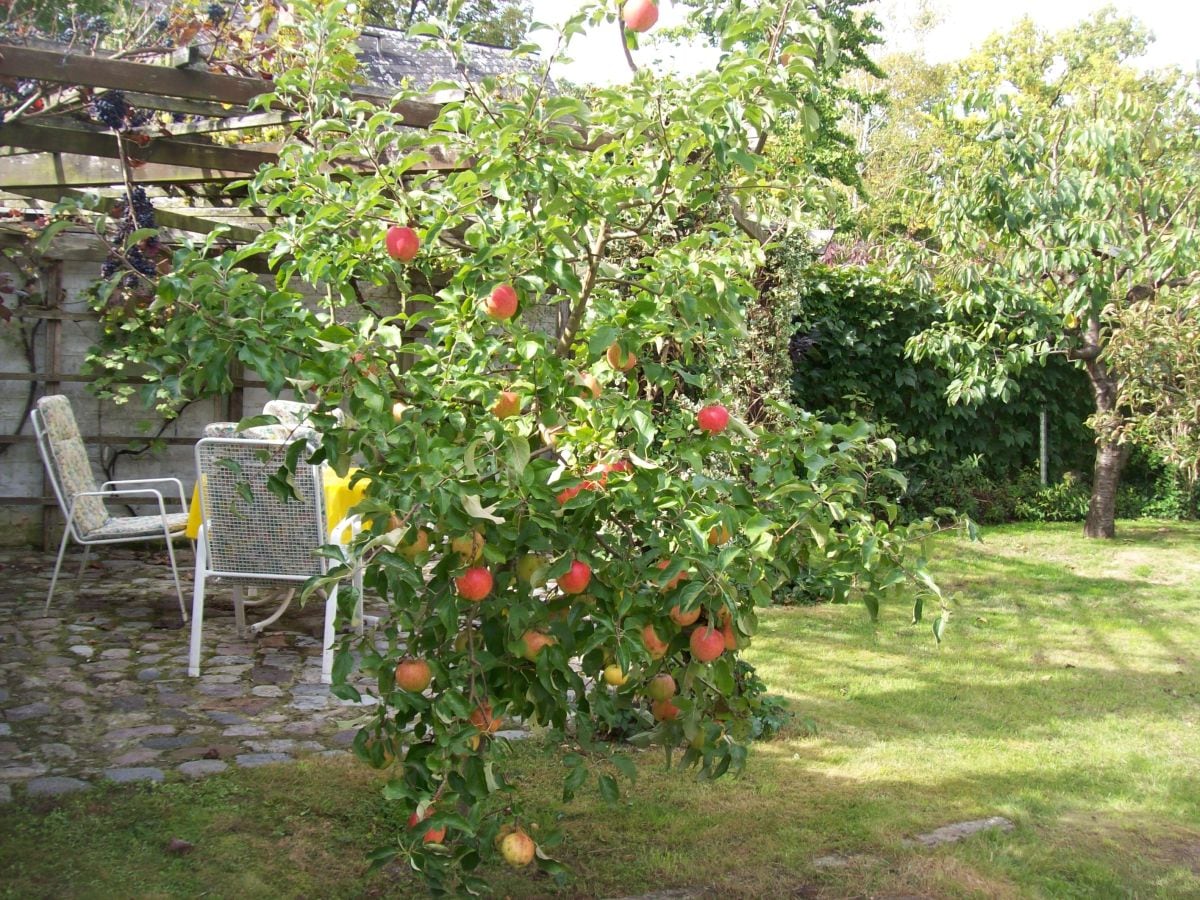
{"x":98,"y":689}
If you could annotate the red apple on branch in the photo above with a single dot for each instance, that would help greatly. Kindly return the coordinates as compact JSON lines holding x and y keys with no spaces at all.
{"x":533,"y":643}
{"x":661,"y":687}
{"x":575,"y":580}
{"x":707,"y":643}
{"x":474,"y":584}
{"x":664,"y":710}
{"x":507,"y":405}
{"x":502,"y":304}
{"x":713,"y":418}
{"x":684,"y":619}
{"x":673,"y":583}
{"x":413,"y":674}
{"x":655,"y":646}
{"x":433,"y":835}
{"x":483,"y":719}
{"x":639,"y":15}
{"x":402,"y":243}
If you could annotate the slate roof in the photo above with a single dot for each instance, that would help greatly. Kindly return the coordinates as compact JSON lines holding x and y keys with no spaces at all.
{"x":388,"y":58}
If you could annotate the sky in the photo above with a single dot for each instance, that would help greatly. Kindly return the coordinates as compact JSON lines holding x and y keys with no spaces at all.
{"x":964,"y":24}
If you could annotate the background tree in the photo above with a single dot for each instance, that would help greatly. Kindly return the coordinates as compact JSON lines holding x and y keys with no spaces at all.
{"x":1077,"y":195}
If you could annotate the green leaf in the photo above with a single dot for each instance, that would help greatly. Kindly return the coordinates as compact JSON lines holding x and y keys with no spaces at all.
{"x":609,"y":790}
{"x":472,"y":507}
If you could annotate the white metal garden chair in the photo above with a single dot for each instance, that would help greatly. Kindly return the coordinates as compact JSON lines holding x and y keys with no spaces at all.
{"x":88,"y":520}
{"x":251,"y":537}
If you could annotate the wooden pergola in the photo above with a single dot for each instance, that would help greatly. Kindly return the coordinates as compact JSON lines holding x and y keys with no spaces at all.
{"x":184,"y":167}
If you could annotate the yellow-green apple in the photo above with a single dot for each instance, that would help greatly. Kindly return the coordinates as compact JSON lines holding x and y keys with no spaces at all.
{"x":469,"y":547}
{"x":661,"y":687}
{"x":615,"y":675}
{"x":517,"y":848}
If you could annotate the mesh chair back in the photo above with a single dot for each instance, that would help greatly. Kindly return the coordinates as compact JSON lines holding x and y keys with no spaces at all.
{"x":250,"y":532}
{"x":67,"y":462}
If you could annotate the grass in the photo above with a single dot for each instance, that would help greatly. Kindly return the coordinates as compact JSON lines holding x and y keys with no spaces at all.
{"x":1066,"y":698}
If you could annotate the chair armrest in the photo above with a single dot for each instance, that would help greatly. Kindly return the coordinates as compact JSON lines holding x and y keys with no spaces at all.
{"x":132,"y":481}
{"x":353,"y":523}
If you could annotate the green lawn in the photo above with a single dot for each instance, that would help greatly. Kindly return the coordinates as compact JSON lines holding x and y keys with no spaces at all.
{"x":1066,"y":697}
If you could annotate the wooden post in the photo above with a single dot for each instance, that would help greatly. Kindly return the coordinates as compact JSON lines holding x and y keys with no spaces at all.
{"x":53,"y":275}
{"x":1045,"y":448}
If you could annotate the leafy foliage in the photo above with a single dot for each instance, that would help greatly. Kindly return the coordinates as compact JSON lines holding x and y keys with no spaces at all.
{"x":503,"y":23}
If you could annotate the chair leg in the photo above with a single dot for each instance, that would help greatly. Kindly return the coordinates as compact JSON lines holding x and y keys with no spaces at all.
{"x":197,"y":608}
{"x":87,"y":552}
{"x":327,"y":642}
{"x":175,"y":573}
{"x":239,"y":611}
{"x":359,"y":618}
{"x":62,"y":549}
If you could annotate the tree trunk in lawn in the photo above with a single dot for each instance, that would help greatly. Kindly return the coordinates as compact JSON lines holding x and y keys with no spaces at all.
{"x":1110,"y":457}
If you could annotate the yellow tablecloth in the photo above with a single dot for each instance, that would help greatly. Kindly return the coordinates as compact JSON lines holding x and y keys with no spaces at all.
{"x":340,"y":498}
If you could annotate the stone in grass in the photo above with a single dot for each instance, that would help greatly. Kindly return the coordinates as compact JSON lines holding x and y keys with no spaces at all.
{"x":948,"y":834}
{"x":54,"y":786}
{"x":27,"y":712}
{"x":199,"y":768}
{"x":5,"y":794}
{"x":129,"y":776}
{"x":253,"y":760}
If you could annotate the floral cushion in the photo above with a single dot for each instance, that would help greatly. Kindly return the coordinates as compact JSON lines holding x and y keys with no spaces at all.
{"x":134,"y":526}
{"x":221,"y":429}
{"x":71,"y":461}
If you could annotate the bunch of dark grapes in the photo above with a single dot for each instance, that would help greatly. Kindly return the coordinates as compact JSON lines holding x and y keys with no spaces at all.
{"x":136,"y":214}
{"x":111,"y":109}
{"x":216,"y":14}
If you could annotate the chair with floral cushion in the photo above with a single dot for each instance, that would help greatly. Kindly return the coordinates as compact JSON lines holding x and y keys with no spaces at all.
{"x":88,"y":520}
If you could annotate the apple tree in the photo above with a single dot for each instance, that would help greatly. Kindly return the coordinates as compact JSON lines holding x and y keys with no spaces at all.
{"x":568,"y":518}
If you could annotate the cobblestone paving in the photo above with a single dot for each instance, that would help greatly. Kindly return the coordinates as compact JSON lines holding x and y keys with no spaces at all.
{"x":98,"y":688}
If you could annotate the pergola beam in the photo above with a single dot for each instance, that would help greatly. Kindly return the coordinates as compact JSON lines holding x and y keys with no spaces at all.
{"x":77,"y":139}
{"x":35,"y":170}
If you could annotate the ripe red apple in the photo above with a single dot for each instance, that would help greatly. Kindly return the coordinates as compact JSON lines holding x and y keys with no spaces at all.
{"x":433,"y":835}
{"x":713,"y":418}
{"x":502,"y":304}
{"x":402,"y":243}
{"x":507,"y":405}
{"x":707,"y":643}
{"x":483,"y":719}
{"x":664,"y":564}
{"x":534,"y":642}
{"x":684,"y":619}
{"x":474,"y":584}
{"x":517,"y":848}
{"x":728,"y":634}
{"x":661,"y":687}
{"x":621,"y":360}
{"x":655,"y":646}
{"x":639,"y":15}
{"x":469,"y":547}
{"x":413,"y":674}
{"x":664,"y":710}
{"x":575,"y":580}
